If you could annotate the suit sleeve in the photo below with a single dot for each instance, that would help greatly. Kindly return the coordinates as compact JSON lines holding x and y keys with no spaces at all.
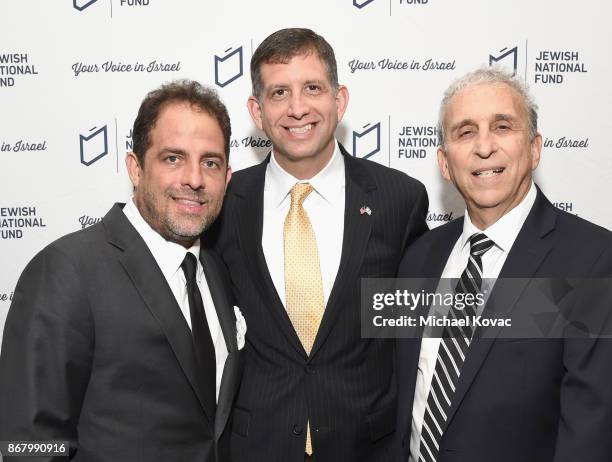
{"x":417,"y":224}
{"x":46,"y":355}
{"x":585,"y":423}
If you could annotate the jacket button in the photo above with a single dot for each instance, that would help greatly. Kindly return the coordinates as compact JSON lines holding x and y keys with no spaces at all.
{"x":310,"y":370}
{"x":297,"y":430}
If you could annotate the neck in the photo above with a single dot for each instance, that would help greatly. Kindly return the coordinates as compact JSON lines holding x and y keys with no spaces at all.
{"x":483,"y":219}
{"x":187,"y":244}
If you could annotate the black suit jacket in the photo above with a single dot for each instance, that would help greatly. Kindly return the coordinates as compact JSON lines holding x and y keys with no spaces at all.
{"x":528,"y":400}
{"x":346,"y":388}
{"x":97,"y":352}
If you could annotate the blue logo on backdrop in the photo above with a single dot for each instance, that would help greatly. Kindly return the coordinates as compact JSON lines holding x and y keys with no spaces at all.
{"x":93,"y":146}
{"x":228,"y":67}
{"x":82,"y":4}
{"x":507,"y":57}
{"x":366,"y":143}
{"x":361,"y":3}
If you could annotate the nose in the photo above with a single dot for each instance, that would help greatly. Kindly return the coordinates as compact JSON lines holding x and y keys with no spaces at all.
{"x":193,"y":175}
{"x":298,"y":106}
{"x":485,"y":145}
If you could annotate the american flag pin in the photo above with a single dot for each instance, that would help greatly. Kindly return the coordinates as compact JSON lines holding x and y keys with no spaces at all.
{"x":365,"y":209}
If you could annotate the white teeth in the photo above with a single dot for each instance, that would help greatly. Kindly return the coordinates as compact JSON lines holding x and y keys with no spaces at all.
{"x":489,"y":172}
{"x":187,"y":202}
{"x":303,"y":129}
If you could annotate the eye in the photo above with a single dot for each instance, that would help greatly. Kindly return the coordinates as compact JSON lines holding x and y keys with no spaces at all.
{"x":171,"y":159}
{"x":313,"y":88}
{"x":209,"y":163}
{"x":279,"y":93}
{"x":503,"y":127}
{"x":465,"y":131}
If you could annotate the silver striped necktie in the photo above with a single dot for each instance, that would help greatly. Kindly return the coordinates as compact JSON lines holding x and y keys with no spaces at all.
{"x":451,"y":354}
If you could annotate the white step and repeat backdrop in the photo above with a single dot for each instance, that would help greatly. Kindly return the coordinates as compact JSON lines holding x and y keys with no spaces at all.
{"x":73,"y":73}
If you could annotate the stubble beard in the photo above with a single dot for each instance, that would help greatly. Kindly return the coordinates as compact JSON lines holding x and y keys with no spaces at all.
{"x":181,"y":230}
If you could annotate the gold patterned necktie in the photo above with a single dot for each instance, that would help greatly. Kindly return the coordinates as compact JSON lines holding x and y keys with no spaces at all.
{"x":303,"y":283}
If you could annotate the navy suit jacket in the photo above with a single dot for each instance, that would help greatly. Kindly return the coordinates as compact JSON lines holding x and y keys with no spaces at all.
{"x":528,"y":400}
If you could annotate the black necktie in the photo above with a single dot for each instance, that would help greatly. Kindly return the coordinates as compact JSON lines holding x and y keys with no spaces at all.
{"x":451,"y":355}
{"x":202,"y":340}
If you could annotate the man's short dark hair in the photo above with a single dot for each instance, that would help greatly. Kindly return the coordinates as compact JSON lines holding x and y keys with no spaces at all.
{"x":283,"y":45}
{"x":179,"y":91}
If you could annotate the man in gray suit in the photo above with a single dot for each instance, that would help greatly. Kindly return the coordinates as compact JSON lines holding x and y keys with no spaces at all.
{"x":121,"y":338}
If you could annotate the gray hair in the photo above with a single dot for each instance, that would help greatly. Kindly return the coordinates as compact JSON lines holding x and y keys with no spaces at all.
{"x":493,"y":75}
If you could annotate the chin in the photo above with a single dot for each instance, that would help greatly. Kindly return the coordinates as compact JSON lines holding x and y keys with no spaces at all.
{"x":297,"y":156}
{"x":187,"y":230}
{"x":488,"y":201}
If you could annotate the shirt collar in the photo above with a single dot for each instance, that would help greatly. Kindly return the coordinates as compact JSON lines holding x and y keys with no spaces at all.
{"x":168,"y":255}
{"x":328,"y":183}
{"x":505,"y":230}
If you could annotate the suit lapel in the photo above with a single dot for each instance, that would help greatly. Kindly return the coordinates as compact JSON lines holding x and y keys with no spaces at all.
{"x":225,"y":313}
{"x":218,"y":291}
{"x":249,"y":216}
{"x":150,"y":283}
{"x":357,"y":228}
{"x":525,"y":257}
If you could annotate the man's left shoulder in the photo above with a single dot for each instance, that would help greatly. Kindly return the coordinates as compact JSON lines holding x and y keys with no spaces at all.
{"x":581,"y":230}
{"x":584,"y":244}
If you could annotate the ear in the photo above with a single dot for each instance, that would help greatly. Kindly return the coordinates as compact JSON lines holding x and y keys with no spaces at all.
{"x":228,"y":175}
{"x":255,"y":110}
{"x":443,"y":164}
{"x":536,"y":151}
{"x":133,"y":168}
{"x":342,"y":99}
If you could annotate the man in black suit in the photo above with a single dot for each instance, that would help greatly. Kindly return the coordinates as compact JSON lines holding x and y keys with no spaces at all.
{"x":119,"y":339}
{"x":297,"y":232}
{"x":486,"y":398}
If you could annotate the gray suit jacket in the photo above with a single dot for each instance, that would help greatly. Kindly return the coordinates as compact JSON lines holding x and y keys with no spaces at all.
{"x":97,"y":352}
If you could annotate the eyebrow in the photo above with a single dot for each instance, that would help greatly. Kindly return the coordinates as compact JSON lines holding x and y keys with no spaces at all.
{"x":508,"y":117}
{"x":184,"y":153}
{"x":317,"y":81}
{"x":286,"y":85}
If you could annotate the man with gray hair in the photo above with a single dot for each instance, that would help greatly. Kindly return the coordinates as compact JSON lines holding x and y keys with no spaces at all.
{"x":464,"y":397}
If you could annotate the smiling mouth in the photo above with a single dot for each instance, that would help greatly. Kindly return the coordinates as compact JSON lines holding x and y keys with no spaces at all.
{"x":189,"y":202}
{"x":488,"y":173}
{"x":300,"y":130}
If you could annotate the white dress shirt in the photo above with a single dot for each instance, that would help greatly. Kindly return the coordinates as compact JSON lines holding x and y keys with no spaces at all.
{"x":325,"y":209}
{"x":503,"y":233}
{"x":169,"y":256}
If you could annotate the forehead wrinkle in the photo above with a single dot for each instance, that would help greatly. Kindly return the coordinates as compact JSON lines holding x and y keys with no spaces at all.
{"x":501,"y":116}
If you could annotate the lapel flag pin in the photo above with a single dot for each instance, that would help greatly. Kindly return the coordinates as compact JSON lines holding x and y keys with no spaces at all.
{"x":365,"y":209}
